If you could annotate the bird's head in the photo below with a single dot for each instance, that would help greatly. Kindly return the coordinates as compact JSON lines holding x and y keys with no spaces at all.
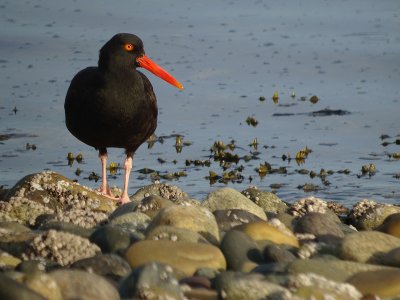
{"x":125,"y":50}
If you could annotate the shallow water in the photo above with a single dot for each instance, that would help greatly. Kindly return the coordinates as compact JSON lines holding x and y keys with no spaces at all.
{"x":227,"y":54}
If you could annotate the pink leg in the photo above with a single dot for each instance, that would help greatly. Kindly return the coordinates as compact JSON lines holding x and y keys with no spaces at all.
{"x":128,"y":167}
{"x":104,"y":188}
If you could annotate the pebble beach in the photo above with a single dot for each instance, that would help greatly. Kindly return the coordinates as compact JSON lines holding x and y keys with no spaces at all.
{"x":62,"y":240}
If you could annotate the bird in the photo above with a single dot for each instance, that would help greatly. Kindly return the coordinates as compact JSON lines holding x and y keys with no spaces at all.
{"x":113,"y":105}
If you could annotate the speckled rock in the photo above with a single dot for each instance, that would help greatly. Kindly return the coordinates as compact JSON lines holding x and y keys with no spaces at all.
{"x":11,"y":289}
{"x":319,"y":225}
{"x":241,"y":252}
{"x":239,"y":286}
{"x":196,"y":219}
{"x":306,"y":205}
{"x":368,"y":215}
{"x":391,"y":225}
{"x":111,"y":266}
{"x":114,"y":239}
{"x":229,"y":218}
{"x":152,"y":204}
{"x":163,"y":190}
{"x":267,"y":200}
{"x":50,"y":193}
{"x":66,"y":227}
{"x":7,"y":261}
{"x":136,"y":221}
{"x":187,"y":257}
{"x":44,"y":285}
{"x":383,"y":283}
{"x":175,"y":234}
{"x":75,"y":284}
{"x":275,"y":232}
{"x":151,"y":281}
{"x":312,"y":286}
{"x":228,"y":198}
{"x":61,"y":247}
{"x":367,"y":246}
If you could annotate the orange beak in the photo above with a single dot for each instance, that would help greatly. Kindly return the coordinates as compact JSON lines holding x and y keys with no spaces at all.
{"x":145,"y":62}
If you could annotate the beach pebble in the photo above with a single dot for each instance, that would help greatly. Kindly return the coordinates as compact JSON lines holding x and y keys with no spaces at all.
{"x":196,"y":219}
{"x":11,"y":289}
{"x":164,"y":190}
{"x":152,"y":204}
{"x":266,"y":200}
{"x":278,"y":254}
{"x":44,"y":285}
{"x":391,"y":225}
{"x":229,"y":218}
{"x":175,"y":234}
{"x":367,"y":246}
{"x":135,"y":221}
{"x":228,"y":198}
{"x":76,"y":284}
{"x":184,"y":256}
{"x":151,"y":281}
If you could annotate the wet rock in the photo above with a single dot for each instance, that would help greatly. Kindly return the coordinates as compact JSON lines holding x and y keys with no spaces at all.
{"x":151,"y":281}
{"x":238,"y":286}
{"x":278,"y":253}
{"x":75,"y":284}
{"x":323,"y":228}
{"x":367,"y":246}
{"x":312,"y":286}
{"x":11,"y":289}
{"x":228,"y":198}
{"x":44,"y":285}
{"x":229,"y":218}
{"x":184,"y":256}
{"x":113,"y":239}
{"x":111,"y":266}
{"x":241,"y":252}
{"x":61,"y":247}
{"x":275,"y":232}
{"x":163,"y":190}
{"x":66,"y":227}
{"x":50,"y":193}
{"x":266,"y":200}
{"x":368,"y":215}
{"x":152,"y":205}
{"x":175,"y":234}
{"x":196,"y":219}
{"x":135,"y":221}
{"x":391,"y":225}
{"x":382,"y":283}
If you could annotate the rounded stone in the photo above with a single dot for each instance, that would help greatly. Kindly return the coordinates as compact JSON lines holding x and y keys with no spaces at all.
{"x":260,"y":231}
{"x":196,"y":219}
{"x":229,"y":218}
{"x":319,"y":225}
{"x":278,"y":253}
{"x":44,"y":285}
{"x":372,"y":216}
{"x":184,"y":256}
{"x":382,"y":283}
{"x":123,"y":209}
{"x":266,"y":200}
{"x":151,"y":281}
{"x":67,"y":227}
{"x":175,"y":234}
{"x":164,"y":190}
{"x":11,"y":289}
{"x":391,"y":225}
{"x":137,"y":221}
{"x":75,"y":284}
{"x":367,"y":246}
{"x":228,"y":198}
{"x":241,"y":252}
{"x":7,"y":261}
{"x":152,"y":204}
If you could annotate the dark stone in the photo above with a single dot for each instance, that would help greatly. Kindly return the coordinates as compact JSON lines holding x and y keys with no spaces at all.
{"x":67,"y":227}
{"x":32,"y":266}
{"x":229,"y":218}
{"x":278,"y":253}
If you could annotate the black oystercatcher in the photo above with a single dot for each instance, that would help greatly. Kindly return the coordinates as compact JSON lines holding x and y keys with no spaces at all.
{"x":113,"y":105}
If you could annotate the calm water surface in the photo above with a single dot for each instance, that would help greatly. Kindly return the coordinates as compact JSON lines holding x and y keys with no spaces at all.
{"x":227,"y":54}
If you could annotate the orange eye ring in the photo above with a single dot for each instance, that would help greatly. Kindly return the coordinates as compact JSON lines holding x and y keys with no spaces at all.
{"x":129,"y":47}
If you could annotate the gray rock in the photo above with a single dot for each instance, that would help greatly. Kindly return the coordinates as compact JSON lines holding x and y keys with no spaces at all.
{"x":136,"y":221}
{"x":151,"y":281}
{"x":113,"y":239}
{"x":229,"y":218}
{"x":67,"y":227}
{"x":11,"y":289}
{"x":278,"y":253}
{"x":123,"y":209}
{"x":325,"y":229}
{"x":266,"y":200}
{"x":152,"y":204}
{"x":240,"y":251}
{"x":75,"y":284}
{"x":228,"y":198}
{"x":163,"y":190}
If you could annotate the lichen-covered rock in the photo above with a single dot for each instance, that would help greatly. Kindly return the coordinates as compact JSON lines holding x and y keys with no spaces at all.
{"x":196,"y":219}
{"x":228,"y":198}
{"x":164,"y":190}
{"x":369,"y":215}
{"x":50,"y":193}
{"x":61,"y":247}
{"x":267,"y":200}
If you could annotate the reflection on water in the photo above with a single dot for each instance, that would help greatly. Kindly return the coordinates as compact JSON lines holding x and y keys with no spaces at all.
{"x":235,"y":60}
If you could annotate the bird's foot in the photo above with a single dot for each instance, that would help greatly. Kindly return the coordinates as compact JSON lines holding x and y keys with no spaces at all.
{"x":124,"y":199}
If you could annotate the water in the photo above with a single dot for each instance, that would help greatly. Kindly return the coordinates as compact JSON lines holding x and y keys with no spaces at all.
{"x":227,"y":54}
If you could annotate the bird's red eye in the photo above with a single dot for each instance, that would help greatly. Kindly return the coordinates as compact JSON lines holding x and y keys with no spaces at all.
{"x":129,"y":47}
